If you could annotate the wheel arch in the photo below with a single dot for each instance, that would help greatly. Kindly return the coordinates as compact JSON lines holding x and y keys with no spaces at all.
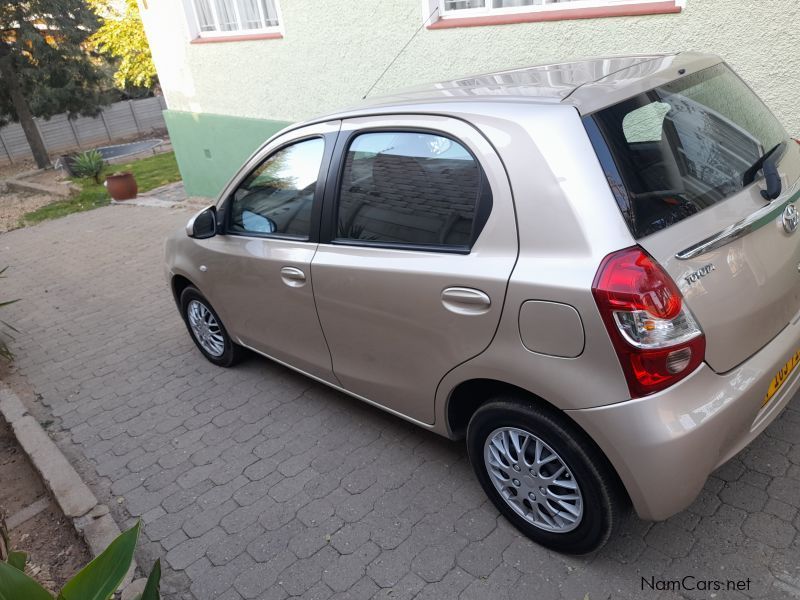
{"x":178,"y":283}
{"x":469,"y":395}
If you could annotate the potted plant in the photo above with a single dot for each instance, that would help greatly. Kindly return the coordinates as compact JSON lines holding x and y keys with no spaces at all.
{"x":122,"y":186}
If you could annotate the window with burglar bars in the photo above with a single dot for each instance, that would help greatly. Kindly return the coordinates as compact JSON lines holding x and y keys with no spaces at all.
{"x":458,"y":8}
{"x":225,"y":17}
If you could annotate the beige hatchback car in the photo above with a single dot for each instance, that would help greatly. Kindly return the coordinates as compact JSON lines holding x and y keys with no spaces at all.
{"x":588,"y":269}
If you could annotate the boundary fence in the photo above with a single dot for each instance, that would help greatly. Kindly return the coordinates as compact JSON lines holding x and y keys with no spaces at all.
{"x":116,"y":122}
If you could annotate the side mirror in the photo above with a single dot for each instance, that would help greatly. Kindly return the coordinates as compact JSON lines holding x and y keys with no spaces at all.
{"x":203,"y":225}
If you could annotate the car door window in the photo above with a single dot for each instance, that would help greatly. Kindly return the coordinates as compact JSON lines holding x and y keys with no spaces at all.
{"x":277,"y":197}
{"x":411,"y":188}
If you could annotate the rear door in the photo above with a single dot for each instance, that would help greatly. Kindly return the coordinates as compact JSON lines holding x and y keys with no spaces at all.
{"x":410,"y":276}
{"x":680,"y":156}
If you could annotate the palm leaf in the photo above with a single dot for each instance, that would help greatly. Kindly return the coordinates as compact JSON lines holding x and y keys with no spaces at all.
{"x":15,"y":585}
{"x":18,"y":559}
{"x":152,"y":588}
{"x":100,"y":578}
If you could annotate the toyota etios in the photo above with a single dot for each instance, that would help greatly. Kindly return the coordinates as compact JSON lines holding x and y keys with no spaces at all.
{"x":589,"y":270}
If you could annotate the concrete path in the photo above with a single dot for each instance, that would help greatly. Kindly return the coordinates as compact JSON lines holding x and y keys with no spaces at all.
{"x":256,"y":482}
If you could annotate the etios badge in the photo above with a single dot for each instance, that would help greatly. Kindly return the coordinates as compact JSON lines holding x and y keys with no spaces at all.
{"x":790,"y":218}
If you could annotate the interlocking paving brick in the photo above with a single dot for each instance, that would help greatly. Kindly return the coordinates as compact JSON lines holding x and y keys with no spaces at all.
{"x":743,"y":495}
{"x":351,"y":537}
{"x":350,"y":568}
{"x":672,"y":541}
{"x":256,"y":482}
{"x":769,"y":529}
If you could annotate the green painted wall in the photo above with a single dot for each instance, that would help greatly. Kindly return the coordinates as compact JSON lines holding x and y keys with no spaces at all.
{"x":210,"y":148}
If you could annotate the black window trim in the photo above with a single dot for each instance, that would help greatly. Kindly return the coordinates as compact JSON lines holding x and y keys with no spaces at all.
{"x":329,"y":141}
{"x":333,"y":190}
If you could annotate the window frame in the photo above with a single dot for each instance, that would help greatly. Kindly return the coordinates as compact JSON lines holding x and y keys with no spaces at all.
{"x":546,"y":11}
{"x":330,"y":215}
{"x":225,"y":207}
{"x":197,"y":34}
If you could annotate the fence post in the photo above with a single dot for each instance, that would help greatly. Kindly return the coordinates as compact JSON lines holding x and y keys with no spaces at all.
{"x":41,"y":135}
{"x":3,"y":143}
{"x":103,"y":118}
{"x":74,"y":133}
{"x":133,"y":114}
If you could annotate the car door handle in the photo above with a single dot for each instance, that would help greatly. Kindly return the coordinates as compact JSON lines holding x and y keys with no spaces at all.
{"x":466,"y":301}
{"x":293,"y":277}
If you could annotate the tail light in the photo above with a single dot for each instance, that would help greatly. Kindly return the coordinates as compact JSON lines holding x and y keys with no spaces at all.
{"x":657,"y":340}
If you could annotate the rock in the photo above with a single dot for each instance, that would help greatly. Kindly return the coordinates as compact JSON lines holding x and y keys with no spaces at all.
{"x":133,"y":589}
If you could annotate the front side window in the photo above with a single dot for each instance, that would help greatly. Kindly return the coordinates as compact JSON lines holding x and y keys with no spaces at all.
{"x":277,"y":197}
{"x":411,"y":188}
{"x":221,"y":17}
{"x":682,"y":147}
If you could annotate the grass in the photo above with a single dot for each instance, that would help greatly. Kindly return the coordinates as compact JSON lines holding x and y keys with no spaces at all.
{"x":150,"y":173}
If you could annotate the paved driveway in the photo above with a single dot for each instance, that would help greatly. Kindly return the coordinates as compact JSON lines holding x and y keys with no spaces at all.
{"x":256,"y":482}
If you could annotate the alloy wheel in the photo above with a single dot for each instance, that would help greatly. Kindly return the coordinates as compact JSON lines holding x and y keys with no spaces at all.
{"x":533,"y":479}
{"x":206,"y":328}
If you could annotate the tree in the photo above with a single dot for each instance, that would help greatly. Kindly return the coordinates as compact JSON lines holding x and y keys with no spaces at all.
{"x":122,"y":37}
{"x":45,"y":68}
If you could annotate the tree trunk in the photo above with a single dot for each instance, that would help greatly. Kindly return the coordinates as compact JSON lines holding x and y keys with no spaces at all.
{"x":24,"y":112}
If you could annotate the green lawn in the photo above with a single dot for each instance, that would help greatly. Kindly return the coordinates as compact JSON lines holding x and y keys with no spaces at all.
{"x":150,"y":173}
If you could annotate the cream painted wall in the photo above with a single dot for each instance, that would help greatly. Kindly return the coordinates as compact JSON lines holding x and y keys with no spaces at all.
{"x":334,"y":49}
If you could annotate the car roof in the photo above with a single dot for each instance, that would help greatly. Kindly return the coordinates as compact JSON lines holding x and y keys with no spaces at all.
{"x":588,"y":84}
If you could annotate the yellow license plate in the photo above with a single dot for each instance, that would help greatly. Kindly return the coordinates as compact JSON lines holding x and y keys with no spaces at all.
{"x":781,"y":377}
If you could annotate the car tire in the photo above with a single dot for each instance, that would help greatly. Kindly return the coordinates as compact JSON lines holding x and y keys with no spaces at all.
{"x":212,"y":339}
{"x":505,"y":423}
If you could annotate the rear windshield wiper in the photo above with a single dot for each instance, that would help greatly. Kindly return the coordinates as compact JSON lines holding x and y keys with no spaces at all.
{"x":768,"y":162}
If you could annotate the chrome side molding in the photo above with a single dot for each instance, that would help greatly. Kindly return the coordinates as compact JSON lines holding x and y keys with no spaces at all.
{"x":754,"y":221}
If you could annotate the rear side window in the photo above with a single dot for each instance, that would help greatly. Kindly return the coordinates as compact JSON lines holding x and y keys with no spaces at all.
{"x":411,"y":188}
{"x":677,"y":149}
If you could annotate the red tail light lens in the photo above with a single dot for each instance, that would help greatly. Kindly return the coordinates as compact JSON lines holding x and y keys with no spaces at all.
{"x":657,"y":340}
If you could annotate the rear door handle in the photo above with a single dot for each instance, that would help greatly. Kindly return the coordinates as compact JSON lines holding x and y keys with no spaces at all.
{"x":293,"y":277}
{"x":466,"y":301}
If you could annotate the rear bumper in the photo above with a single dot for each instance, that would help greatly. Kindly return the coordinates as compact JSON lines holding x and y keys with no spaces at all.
{"x":665,"y":446}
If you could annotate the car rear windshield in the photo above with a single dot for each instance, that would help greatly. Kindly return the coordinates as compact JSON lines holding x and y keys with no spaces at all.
{"x":679,"y":148}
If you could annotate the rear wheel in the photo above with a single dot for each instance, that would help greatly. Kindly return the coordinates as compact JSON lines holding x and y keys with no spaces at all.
{"x":207,"y":330}
{"x":544,"y":476}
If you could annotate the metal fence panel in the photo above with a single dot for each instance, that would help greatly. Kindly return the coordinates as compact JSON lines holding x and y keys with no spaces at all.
{"x":57,"y":134}
{"x":90,"y":131}
{"x":15,"y":141}
{"x":120,"y":120}
{"x":60,"y":135}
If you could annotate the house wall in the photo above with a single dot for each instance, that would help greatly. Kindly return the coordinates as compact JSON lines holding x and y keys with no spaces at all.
{"x":333,"y":50}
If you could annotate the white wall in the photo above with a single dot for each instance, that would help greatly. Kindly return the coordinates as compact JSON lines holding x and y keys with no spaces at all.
{"x":334,"y":49}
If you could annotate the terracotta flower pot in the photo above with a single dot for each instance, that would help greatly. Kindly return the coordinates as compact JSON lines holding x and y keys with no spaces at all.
{"x":122,"y":186}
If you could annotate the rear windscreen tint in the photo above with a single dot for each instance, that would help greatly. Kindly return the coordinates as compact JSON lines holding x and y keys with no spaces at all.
{"x":672,"y":151}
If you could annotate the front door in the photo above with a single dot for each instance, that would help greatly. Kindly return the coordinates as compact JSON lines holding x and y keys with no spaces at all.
{"x":418,"y":244}
{"x":261,"y":263}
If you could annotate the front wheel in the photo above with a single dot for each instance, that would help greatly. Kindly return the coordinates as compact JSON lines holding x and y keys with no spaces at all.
{"x":207,"y":330}
{"x":544,"y":476}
